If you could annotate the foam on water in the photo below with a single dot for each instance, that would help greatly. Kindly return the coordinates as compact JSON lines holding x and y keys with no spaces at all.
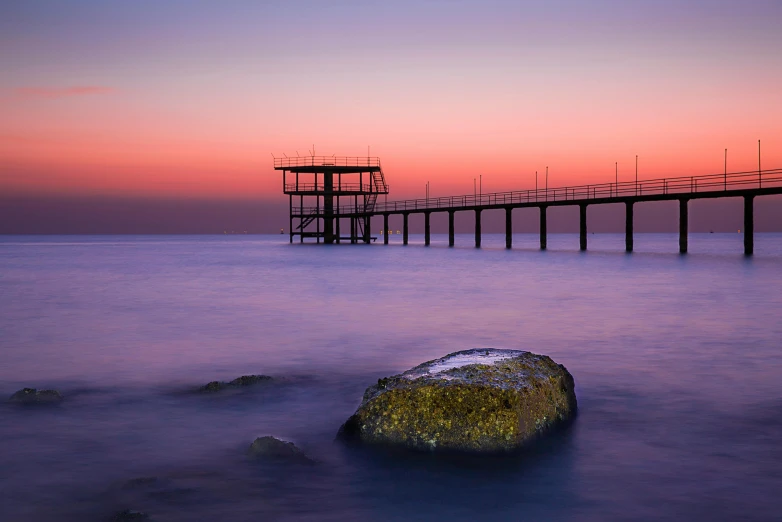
{"x":488,"y":356}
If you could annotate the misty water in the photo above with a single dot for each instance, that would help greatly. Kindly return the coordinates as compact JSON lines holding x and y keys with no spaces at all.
{"x":677,"y":362}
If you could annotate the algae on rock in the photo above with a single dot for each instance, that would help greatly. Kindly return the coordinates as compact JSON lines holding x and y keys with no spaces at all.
{"x":481,"y":400}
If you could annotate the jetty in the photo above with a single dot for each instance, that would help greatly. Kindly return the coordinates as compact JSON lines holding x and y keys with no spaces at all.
{"x":327,"y":189}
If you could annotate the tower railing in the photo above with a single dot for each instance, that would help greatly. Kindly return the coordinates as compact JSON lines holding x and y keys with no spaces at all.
{"x":327,"y":161}
{"x":321,"y":187}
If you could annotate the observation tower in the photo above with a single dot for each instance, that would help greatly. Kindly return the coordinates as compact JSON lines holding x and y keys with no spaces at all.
{"x":324,"y":190}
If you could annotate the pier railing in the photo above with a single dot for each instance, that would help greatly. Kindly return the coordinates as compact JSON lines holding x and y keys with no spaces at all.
{"x":326,"y":161}
{"x":602,"y":191}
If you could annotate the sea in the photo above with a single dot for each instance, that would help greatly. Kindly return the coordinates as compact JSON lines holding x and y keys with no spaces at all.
{"x":677,"y":361}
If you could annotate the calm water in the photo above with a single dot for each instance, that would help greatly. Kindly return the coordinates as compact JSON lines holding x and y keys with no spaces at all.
{"x":677,"y":361}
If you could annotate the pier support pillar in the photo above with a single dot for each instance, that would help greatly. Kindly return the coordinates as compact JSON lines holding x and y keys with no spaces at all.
{"x":583,"y":226}
{"x":628,"y":226}
{"x":385,"y":229}
{"x":477,"y":228}
{"x":404,"y":228}
{"x":508,"y":228}
{"x":683,"y":224}
{"x":450,"y":228}
{"x":352,"y":230}
{"x":749,"y":226}
{"x":367,"y":229}
{"x":543,"y":227}
{"x":426,"y":228}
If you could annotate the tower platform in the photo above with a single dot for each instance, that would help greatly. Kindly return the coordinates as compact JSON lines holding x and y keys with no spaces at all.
{"x":324,"y":190}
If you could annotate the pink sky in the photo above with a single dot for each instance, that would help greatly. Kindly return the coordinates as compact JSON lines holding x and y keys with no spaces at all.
{"x":190,"y":101}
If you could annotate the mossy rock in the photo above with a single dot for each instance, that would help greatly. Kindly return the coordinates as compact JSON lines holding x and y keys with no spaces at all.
{"x":481,"y":400}
{"x":244,"y":380}
{"x":275,"y":449}
{"x":33,"y":396}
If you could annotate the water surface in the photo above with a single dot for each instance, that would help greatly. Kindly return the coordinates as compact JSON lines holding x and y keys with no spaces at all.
{"x":677,"y":362}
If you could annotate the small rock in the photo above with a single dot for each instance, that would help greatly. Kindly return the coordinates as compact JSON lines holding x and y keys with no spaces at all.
{"x":33,"y":396}
{"x":274,"y":448}
{"x":244,"y":380}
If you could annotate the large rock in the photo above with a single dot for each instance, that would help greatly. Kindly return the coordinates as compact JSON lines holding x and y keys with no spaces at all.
{"x":33,"y":396}
{"x":483,"y":400}
{"x":244,"y":380}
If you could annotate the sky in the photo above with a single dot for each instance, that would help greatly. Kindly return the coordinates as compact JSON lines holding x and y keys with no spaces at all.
{"x":112,"y":112}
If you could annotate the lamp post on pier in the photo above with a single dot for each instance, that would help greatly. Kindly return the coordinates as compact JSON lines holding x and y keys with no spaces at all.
{"x":636,"y":174}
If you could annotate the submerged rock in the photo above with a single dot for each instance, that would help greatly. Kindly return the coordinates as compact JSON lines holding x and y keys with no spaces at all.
{"x":128,"y":514}
{"x":482,"y":400}
{"x":140,"y":482}
{"x":33,"y":396}
{"x":244,"y":380}
{"x":274,"y":448}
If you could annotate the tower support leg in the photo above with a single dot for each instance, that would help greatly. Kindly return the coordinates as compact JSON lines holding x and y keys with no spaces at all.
{"x":367,"y":231}
{"x":328,"y":208}
{"x":385,"y":229}
{"x":543,"y":227}
{"x":404,"y":228}
{"x":629,"y":226}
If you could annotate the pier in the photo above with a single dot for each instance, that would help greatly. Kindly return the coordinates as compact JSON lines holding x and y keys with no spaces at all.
{"x":746,"y":185}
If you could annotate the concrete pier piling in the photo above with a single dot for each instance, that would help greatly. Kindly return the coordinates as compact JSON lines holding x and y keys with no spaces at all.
{"x":749,"y":226}
{"x":508,"y":227}
{"x":683,"y":225}
{"x":543,"y":227}
{"x":404,"y":227}
{"x":583,"y":226}
{"x":628,"y":226}
{"x":477,"y":228}
{"x":426,"y":228}
{"x":451,"y":233}
{"x":385,"y":229}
